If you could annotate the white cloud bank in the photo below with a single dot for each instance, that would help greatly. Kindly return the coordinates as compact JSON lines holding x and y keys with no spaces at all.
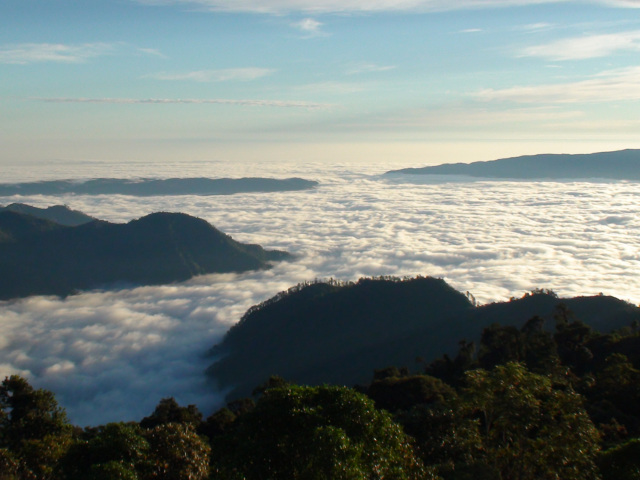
{"x":113,"y":355}
{"x":337,"y":6}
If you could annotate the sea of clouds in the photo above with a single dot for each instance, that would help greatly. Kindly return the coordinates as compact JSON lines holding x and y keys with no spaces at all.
{"x":112,"y":355}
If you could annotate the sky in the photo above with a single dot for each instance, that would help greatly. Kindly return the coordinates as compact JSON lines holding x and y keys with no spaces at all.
{"x":415,"y":81}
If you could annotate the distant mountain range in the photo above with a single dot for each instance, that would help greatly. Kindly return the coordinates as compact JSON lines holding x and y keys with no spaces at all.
{"x":619,"y":165}
{"x":338,"y":333}
{"x":150,"y":187}
{"x":39,"y":256}
{"x":57,"y":213}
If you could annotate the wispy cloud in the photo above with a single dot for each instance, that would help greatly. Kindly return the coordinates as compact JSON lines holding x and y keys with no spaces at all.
{"x":152,"y":52}
{"x":534,"y":27}
{"x":196,"y":101}
{"x":337,"y":88}
{"x":329,"y":6}
{"x":608,"y":86}
{"x":221,"y":75}
{"x":471,"y":30}
{"x":365,"y":67}
{"x":580,"y":48}
{"x":26,"y":53}
{"x":308,"y":26}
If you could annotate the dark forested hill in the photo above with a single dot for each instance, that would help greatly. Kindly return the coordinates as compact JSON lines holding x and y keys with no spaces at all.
{"x":338,"y":333}
{"x":149,"y":187}
{"x":619,"y":165}
{"x":41,"y":257}
{"x":56,"y":213}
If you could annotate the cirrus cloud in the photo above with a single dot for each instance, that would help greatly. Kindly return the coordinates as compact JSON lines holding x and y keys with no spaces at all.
{"x":26,"y":53}
{"x":608,"y":86}
{"x":337,"y":6}
{"x":590,"y":46}
{"x":220,"y":75}
{"x":194,"y":101}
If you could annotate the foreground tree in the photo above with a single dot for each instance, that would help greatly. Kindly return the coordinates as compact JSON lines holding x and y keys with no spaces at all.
{"x":177,"y":453}
{"x":529,"y":427}
{"x":34,"y":431}
{"x":621,"y":462}
{"x":116,"y":450}
{"x":315,"y":433}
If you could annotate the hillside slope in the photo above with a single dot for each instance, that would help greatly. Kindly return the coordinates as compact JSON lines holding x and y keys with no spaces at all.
{"x":56,"y":213}
{"x":618,"y":165}
{"x":338,"y":333}
{"x":41,"y":257}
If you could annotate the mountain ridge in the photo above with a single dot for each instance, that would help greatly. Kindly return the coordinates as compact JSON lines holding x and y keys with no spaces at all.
{"x":337,"y":332}
{"x":145,"y":187}
{"x":41,"y":257}
{"x":614,"y":165}
{"x":56,"y":213}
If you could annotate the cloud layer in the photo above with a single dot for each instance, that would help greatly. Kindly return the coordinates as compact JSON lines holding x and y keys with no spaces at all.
{"x":114,"y":355}
{"x":608,"y":86}
{"x":334,"y":6}
{"x":220,"y":75}
{"x":26,"y":53}
{"x":196,"y":101}
{"x":590,"y":46}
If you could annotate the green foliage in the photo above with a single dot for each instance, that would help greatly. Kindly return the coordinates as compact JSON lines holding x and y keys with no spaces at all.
{"x":9,"y":465}
{"x":402,"y":393}
{"x":117,"y":449}
{"x":112,"y":470}
{"x":531,"y":345}
{"x":530,"y":428}
{"x":443,"y":436}
{"x":168,"y":411}
{"x":34,"y":432}
{"x":315,"y":433}
{"x":177,"y":453}
{"x":621,"y":462}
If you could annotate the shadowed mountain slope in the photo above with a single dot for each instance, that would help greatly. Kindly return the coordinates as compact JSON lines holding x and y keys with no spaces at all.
{"x":149,"y":187}
{"x":338,"y":333}
{"x":619,"y":165}
{"x":41,"y":257}
{"x":56,"y":213}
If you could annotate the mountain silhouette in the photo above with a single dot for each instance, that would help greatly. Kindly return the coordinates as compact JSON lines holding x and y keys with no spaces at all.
{"x":56,"y":213}
{"x":338,"y":333}
{"x":150,"y":187}
{"x":618,"y":165}
{"x":42,"y":257}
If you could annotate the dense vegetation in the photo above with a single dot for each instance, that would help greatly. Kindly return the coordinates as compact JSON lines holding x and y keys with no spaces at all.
{"x":620,"y":165}
{"x":333,"y":332}
{"x":526,"y":404}
{"x":42,"y":257}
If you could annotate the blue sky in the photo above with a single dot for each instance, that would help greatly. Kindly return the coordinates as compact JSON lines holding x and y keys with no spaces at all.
{"x":250,"y":80}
